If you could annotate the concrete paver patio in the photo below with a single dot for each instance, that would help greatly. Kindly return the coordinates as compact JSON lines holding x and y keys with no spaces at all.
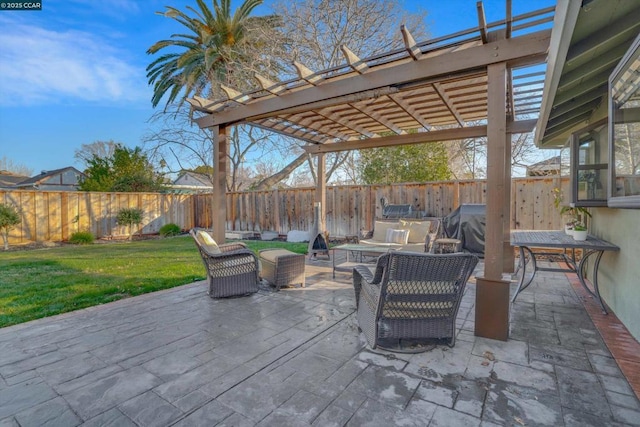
{"x":296,"y":358}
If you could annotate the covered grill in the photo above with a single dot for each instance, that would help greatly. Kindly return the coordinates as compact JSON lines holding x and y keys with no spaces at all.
{"x":467,"y":224}
{"x":399,"y":210}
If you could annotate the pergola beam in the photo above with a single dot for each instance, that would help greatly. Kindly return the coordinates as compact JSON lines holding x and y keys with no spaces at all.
{"x":509,"y":20}
{"x":357,"y":64}
{"x":269,"y":86}
{"x":482,"y":22}
{"x":522,"y":126}
{"x":234,"y":95}
{"x":310,"y":123}
{"x":526,"y":49}
{"x":273,"y":128}
{"x":306,"y":74}
{"x":378,"y":118}
{"x":345,"y":122}
{"x":410,"y":44}
{"x":437,"y":87}
{"x":410,"y":110}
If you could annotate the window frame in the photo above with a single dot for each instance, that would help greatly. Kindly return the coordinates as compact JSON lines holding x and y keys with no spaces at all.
{"x":576,"y":167}
{"x":633,"y":201}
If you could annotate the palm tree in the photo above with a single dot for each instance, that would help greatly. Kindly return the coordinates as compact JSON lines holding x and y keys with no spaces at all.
{"x":208,"y":53}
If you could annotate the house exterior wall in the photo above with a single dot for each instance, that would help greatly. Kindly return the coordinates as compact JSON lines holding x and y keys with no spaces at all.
{"x":619,"y":277}
{"x":187,"y":180}
{"x":65,"y":181}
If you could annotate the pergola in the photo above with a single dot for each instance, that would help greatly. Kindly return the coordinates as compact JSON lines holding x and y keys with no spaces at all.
{"x":474,"y":83}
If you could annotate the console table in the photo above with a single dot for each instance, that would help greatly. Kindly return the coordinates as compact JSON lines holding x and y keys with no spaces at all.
{"x":592,"y":247}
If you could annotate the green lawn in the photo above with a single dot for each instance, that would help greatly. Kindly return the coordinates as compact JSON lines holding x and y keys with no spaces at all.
{"x":43,"y":282}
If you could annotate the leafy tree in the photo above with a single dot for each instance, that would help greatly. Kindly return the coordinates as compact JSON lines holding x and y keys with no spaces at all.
{"x":406,"y":163}
{"x":9,"y":218}
{"x":127,"y":170}
{"x":218,"y":47}
{"x":130,"y":217}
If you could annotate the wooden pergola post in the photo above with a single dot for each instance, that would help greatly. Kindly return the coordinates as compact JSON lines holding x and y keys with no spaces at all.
{"x":321,"y":191}
{"x":508,"y":255}
{"x":492,"y":293}
{"x":219,"y":203}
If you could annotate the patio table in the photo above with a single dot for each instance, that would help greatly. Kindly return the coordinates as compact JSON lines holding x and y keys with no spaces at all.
{"x":593,"y":246}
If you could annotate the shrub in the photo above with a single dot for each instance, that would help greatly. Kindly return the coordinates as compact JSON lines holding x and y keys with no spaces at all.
{"x":9,"y":218}
{"x":169,"y":230}
{"x":130,"y":217}
{"x":82,"y":238}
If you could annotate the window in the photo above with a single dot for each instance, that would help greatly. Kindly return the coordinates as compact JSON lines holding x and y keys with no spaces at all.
{"x":589,"y":167}
{"x":624,"y":124}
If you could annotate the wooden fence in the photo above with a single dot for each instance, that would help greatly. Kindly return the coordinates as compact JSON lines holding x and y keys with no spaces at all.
{"x":54,"y":216}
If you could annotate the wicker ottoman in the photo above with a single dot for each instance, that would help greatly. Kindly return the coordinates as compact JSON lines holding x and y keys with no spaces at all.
{"x":282,"y":267}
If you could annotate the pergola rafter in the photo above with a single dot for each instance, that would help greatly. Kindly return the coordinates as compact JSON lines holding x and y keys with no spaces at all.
{"x":436,"y":90}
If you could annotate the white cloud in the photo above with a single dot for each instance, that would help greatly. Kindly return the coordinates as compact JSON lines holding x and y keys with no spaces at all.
{"x":42,"y":66}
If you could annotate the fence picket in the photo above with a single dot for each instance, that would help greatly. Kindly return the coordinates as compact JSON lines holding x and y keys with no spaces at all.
{"x":49,"y":215}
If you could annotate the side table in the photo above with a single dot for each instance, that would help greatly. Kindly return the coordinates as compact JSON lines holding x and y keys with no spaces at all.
{"x":446,"y":246}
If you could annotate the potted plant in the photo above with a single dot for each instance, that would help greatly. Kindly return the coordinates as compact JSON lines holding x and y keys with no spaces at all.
{"x":571,"y":214}
{"x":567,"y":213}
{"x":575,"y":214}
{"x":579,"y":231}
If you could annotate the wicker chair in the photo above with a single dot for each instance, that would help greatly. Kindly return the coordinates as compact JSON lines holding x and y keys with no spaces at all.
{"x":231,"y":271}
{"x":411,"y":297}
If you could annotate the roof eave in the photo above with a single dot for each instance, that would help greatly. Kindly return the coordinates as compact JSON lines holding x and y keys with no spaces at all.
{"x":565,"y":19}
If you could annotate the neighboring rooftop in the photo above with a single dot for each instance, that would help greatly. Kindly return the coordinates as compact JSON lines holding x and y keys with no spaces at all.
{"x":551,"y":166}
{"x":10,"y":179}
{"x":57,"y":179}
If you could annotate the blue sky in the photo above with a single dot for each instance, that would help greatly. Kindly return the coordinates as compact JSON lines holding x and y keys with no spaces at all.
{"x":74,"y":73}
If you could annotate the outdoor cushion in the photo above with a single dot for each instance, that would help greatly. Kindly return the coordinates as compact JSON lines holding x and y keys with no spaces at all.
{"x":380,"y":229}
{"x":411,"y":247}
{"x":397,"y":236}
{"x":273,"y":254}
{"x":418,"y":230}
{"x":208,"y":243}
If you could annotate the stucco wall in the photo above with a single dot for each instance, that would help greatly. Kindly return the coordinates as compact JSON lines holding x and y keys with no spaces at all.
{"x":619,"y":276}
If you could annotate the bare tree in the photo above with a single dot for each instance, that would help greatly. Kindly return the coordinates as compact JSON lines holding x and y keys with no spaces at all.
{"x":627,"y":149}
{"x":316,"y":29}
{"x":467,"y":158}
{"x":178,"y":144}
{"x":523,"y":150}
{"x":87,"y":152}
{"x":9,"y":165}
{"x":312,"y":32}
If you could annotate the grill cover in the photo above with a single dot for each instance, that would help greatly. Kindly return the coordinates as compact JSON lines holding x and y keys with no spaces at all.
{"x":467,"y":224}
{"x":396,"y":211}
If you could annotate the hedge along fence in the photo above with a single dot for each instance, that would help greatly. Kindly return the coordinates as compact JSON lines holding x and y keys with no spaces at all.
{"x":54,"y":216}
